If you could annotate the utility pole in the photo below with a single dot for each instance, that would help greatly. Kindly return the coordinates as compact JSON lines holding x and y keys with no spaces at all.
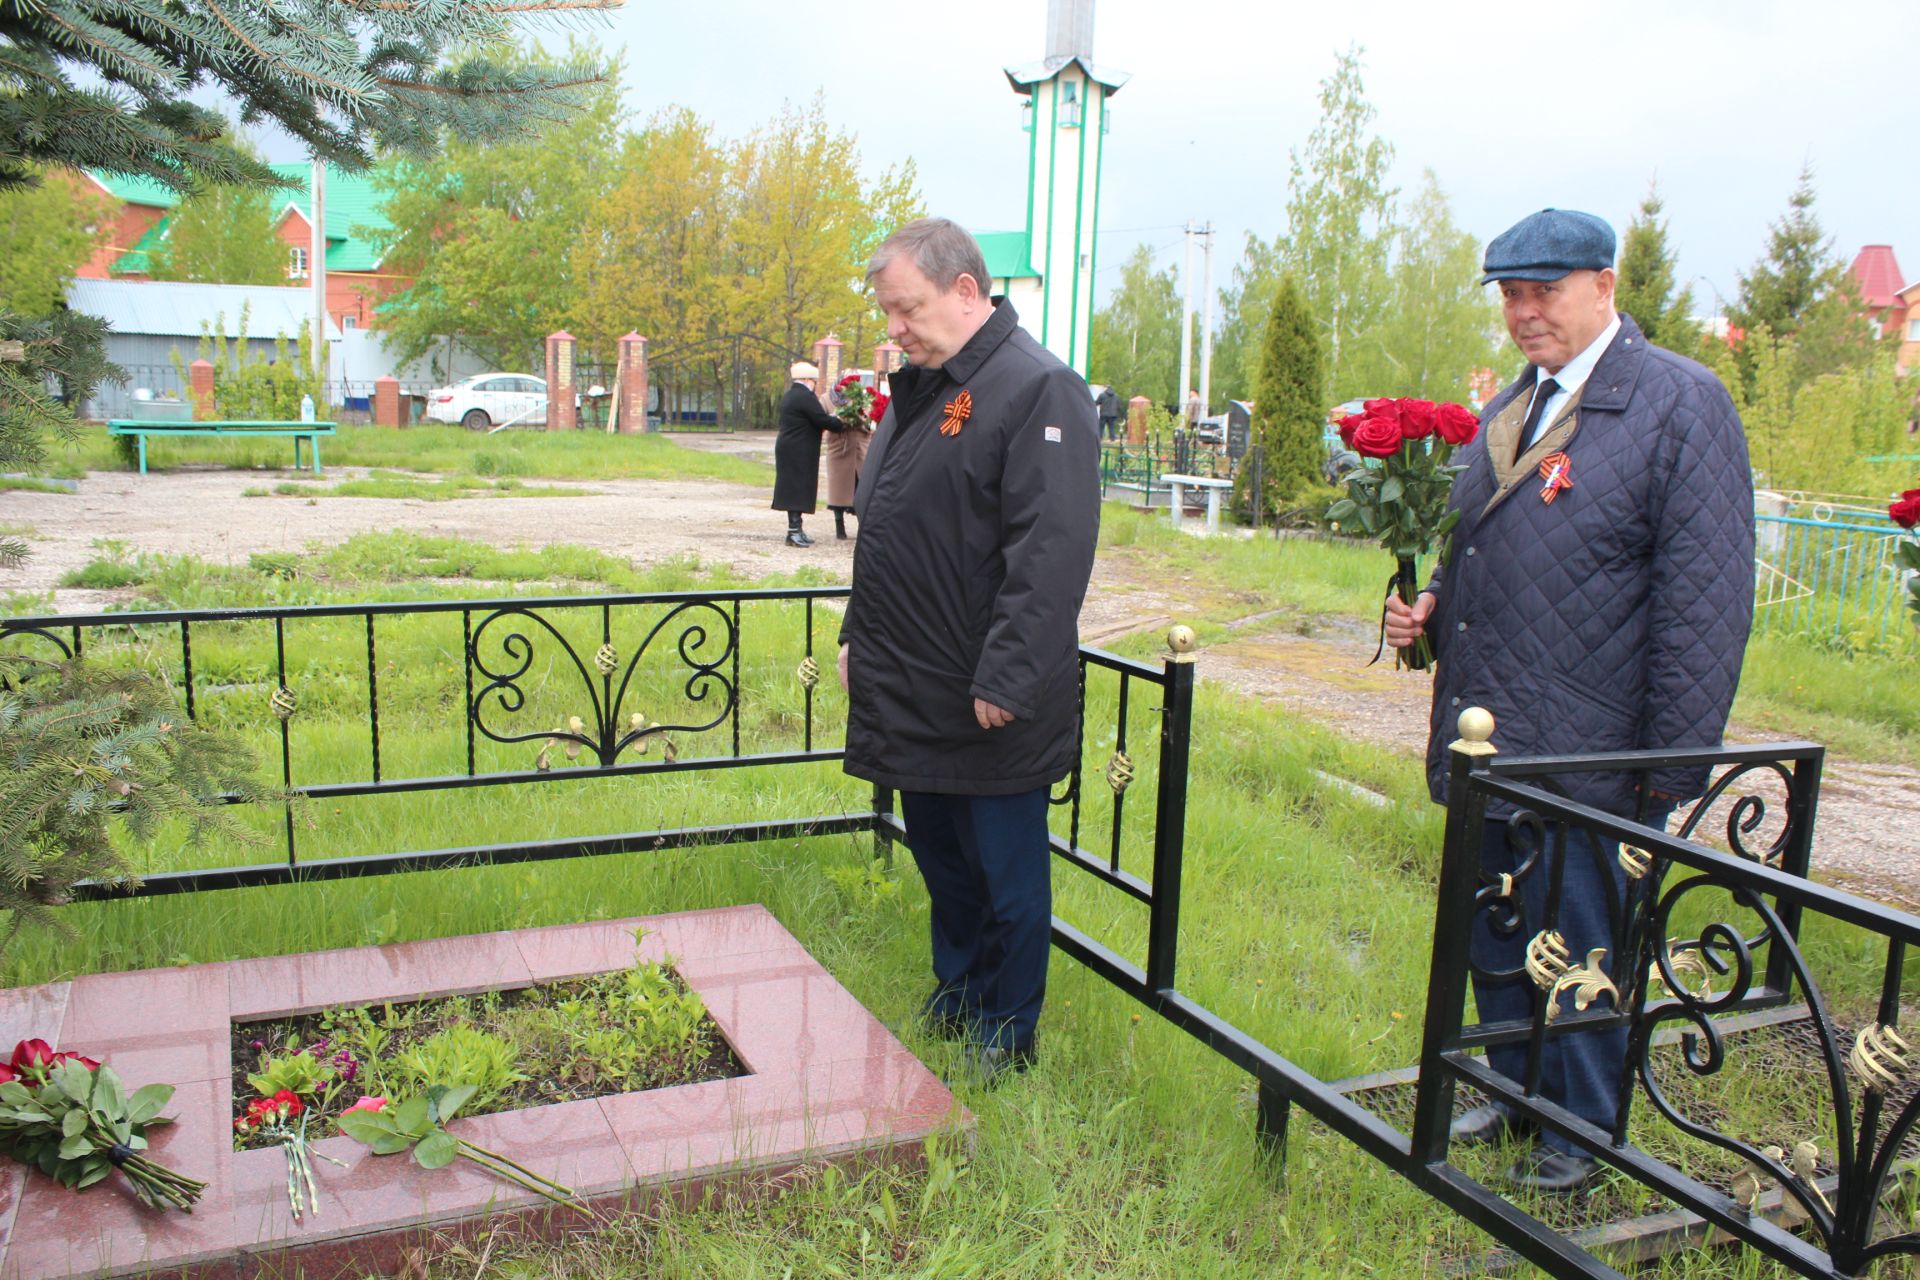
{"x":1206,"y":330}
{"x":317,"y":269}
{"x":1186,"y":325}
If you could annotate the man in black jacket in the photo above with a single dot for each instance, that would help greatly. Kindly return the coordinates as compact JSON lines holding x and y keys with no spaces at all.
{"x":979,"y":509}
{"x":1596,"y":599}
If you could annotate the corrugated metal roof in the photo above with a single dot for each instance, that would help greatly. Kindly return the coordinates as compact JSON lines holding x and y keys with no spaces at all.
{"x":171,"y":308}
{"x":136,"y":189}
{"x":353,"y":206}
{"x":1878,"y":272}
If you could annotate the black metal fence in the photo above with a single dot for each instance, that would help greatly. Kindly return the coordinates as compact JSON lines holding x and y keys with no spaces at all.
{"x":570,"y":675}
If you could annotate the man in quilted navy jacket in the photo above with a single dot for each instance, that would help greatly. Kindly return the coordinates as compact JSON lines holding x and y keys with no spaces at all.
{"x":1596,"y":598}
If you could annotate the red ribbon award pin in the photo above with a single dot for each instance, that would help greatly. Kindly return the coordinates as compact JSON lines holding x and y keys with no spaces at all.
{"x":958,"y":410}
{"x":1557,"y":470}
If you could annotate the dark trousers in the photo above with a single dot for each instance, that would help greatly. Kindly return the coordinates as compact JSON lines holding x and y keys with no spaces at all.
{"x":1582,"y":1072}
{"x":984,"y":859}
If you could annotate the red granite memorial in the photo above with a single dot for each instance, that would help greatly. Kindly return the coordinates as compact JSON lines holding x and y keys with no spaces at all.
{"x":823,"y":1081}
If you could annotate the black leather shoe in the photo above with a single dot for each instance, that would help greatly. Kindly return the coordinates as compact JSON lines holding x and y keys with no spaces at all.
{"x":1553,"y":1172}
{"x":985,"y":1066}
{"x":1485,"y":1126}
{"x":798,"y":538}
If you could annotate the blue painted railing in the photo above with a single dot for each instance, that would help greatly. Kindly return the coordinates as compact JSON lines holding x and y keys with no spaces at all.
{"x":1830,"y":579}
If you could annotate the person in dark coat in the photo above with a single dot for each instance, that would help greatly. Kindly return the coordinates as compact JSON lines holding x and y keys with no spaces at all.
{"x":979,"y":509}
{"x":796,"y":451}
{"x":1597,"y":598}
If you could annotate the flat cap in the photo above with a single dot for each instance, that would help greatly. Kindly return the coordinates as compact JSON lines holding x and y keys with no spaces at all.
{"x":1548,"y":244}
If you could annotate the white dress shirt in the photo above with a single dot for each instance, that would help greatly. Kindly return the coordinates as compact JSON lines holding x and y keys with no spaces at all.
{"x":1572,"y":376}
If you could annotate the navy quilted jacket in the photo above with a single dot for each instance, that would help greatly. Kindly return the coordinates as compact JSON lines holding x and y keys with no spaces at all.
{"x":1615,"y":617}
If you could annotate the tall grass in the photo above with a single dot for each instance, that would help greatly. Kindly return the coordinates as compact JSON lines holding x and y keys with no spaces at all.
{"x":557,"y":455}
{"x":1128,"y":1151}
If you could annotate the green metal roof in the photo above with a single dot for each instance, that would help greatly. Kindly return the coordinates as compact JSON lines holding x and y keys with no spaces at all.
{"x":1006,"y":254}
{"x":138,"y":261}
{"x":136,"y":189}
{"x":353,"y":206}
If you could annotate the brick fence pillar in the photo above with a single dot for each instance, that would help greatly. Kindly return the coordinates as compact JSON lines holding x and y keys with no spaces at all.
{"x":386,"y":401}
{"x":561,"y":415}
{"x":632,"y":381}
{"x":200,"y":390}
{"x":887,"y":358}
{"x":1137,"y":419}
{"x":826,"y":354}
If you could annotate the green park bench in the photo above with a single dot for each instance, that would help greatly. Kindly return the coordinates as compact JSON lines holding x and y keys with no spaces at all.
{"x":141,"y":428}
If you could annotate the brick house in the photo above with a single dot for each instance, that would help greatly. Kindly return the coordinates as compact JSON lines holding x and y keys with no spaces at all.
{"x":355,"y":284}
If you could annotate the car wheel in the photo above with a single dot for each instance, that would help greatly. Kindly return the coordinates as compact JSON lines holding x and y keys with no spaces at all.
{"x":476,"y":420}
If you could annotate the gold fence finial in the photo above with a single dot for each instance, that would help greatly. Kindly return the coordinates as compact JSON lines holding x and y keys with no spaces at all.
{"x":1181,"y":643}
{"x":1476,"y":733}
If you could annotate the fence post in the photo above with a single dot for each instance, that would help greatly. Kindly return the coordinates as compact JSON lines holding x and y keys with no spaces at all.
{"x":1137,"y":420}
{"x":1452,"y":933}
{"x":827,"y":357}
{"x":1170,"y":811}
{"x":386,"y":401}
{"x":560,"y":382}
{"x":632,"y":380}
{"x":200,"y":390}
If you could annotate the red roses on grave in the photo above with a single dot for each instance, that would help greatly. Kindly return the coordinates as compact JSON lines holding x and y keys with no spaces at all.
{"x":32,"y":1059}
{"x":284,"y":1105}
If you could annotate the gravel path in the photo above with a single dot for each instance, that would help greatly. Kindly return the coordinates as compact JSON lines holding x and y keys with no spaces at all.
{"x":1868,"y":833}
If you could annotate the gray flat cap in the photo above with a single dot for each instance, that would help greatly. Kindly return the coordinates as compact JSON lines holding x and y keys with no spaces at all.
{"x":1548,"y":244}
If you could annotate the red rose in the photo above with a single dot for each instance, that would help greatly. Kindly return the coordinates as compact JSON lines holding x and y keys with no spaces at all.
{"x":91,"y":1064}
{"x":1906,"y":512}
{"x":7,"y":1074}
{"x":1388,"y":409}
{"x":847,"y":381}
{"x":1456,"y":423}
{"x":879,"y":409}
{"x":1418,"y":418}
{"x":1347,"y":426}
{"x":1377,"y":437}
{"x":31,"y":1055}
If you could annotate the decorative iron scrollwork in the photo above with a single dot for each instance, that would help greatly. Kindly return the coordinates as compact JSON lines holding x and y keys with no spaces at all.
{"x":1588,"y":982}
{"x":705,"y":645}
{"x":283,"y":703}
{"x":1635,"y":861}
{"x":1548,"y":958}
{"x":809,"y":672}
{"x":1119,"y":772}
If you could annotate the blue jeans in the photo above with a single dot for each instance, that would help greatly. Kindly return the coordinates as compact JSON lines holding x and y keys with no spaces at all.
{"x":1581,"y":1072}
{"x":985,"y":861}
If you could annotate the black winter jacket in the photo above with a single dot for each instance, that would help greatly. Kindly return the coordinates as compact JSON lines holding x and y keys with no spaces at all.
{"x":1615,"y":617}
{"x":796,"y":450}
{"x":974,"y":553}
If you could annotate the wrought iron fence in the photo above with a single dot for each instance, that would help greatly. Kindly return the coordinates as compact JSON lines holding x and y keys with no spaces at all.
{"x":582,"y":677}
{"x":1830,"y":579}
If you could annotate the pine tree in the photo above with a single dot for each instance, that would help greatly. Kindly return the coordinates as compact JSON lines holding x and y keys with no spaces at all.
{"x":1645,"y":289}
{"x":1289,"y":414}
{"x":1803,"y":291}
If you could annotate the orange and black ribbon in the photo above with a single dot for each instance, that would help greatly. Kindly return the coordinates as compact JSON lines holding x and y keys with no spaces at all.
{"x":1557,"y":470}
{"x":958,"y":410}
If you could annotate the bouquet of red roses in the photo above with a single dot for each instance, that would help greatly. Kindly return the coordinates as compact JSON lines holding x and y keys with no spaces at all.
{"x":1906,"y":553}
{"x":1403,"y":501}
{"x":853,"y":403}
{"x":70,"y":1117}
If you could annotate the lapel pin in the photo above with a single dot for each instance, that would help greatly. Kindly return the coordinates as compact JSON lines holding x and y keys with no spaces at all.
{"x":1557,"y":470}
{"x":958,"y":410}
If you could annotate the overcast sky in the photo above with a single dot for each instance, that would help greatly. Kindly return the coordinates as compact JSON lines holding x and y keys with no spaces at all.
{"x":1722,"y":101}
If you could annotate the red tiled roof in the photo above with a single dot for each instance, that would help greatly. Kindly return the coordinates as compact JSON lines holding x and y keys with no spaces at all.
{"x":1878,"y":273}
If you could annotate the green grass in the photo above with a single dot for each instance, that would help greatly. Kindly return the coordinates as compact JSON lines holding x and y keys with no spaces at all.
{"x":1128,"y":1151}
{"x":391,"y":484}
{"x":1864,"y":704}
{"x":31,"y":484}
{"x":448,"y":451}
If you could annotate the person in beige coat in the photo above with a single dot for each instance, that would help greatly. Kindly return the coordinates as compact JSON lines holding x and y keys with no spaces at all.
{"x":846,"y":454}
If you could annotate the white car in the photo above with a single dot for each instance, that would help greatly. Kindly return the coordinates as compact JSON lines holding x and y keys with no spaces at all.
{"x":489,"y":400}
